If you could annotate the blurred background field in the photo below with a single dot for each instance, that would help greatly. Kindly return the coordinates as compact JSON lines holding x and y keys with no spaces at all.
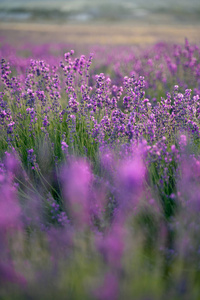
{"x":114,"y":34}
{"x":100,"y":22}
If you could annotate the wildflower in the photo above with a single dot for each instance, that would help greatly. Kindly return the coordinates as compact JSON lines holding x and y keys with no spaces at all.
{"x":183,"y":140}
{"x":64,"y":147}
{"x":76,"y":184}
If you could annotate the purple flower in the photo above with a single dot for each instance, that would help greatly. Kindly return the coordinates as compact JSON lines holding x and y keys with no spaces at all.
{"x":45,"y":122}
{"x":77,"y":178}
{"x":183,"y":140}
{"x":8,"y":274}
{"x":109,"y":290}
{"x":10,"y":211}
{"x":173,"y":148}
{"x":112,"y":245}
{"x":64,"y":147}
{"x":130,"y":177}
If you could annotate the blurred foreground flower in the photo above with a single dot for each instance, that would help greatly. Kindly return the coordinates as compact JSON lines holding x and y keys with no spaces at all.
{"x":10,"y":211}
{"x":77,"y":179}
{"x":129,"y":179}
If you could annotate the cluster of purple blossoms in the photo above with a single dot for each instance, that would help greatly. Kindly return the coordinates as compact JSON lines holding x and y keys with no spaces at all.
{"x":99,"y":175}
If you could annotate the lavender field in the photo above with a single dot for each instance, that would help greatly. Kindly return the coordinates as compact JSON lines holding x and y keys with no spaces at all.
{"x":100,"y":171}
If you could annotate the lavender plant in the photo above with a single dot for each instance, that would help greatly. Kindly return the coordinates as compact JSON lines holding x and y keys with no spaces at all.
{"x":99,"y":177}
